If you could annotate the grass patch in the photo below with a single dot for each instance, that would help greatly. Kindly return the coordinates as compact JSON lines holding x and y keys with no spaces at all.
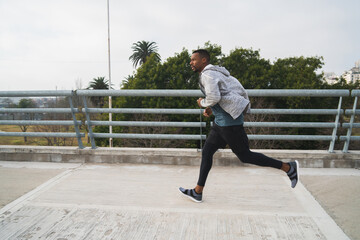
{"x":32,"y":141}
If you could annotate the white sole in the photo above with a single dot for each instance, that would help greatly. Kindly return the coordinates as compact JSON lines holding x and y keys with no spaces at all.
{"x":193,"y":199}
{"x":297,"y":171}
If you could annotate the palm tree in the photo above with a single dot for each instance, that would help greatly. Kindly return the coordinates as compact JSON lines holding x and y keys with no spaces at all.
{"x":126,"y":81}
{"x":142,"y":50}
{"x":96,"y":84}
{"x":99,"y":83}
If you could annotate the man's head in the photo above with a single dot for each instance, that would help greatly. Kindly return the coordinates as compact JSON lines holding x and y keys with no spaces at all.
{"x":199,"y":60}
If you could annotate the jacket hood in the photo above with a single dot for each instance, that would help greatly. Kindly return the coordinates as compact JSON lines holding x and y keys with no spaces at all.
{"x":217,"y":69}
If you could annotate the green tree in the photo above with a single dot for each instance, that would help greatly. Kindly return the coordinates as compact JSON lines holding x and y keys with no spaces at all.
{"x":142,"y":50}
{"x":248,"y":67}
{"x":253,"y":71}
{"x":174,"y":73}
{"x":97,"y":84}
{"x":126,"y":80}
{"x":296,"y":73}
{"x":26,"y":103}
{"x":301,"y":73}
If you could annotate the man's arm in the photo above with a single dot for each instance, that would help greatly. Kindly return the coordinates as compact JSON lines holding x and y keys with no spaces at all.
{"x":212,"y":91}
{"x":207,"y":112}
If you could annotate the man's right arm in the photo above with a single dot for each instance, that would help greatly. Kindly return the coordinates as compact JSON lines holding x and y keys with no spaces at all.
{"x":207,"y":112}
{"x":212,"y":91}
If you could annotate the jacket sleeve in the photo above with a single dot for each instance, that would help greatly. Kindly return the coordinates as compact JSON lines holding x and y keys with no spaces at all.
{"x":212,"y":91}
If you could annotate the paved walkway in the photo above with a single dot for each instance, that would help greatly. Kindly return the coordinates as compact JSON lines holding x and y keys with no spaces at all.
{"x":124,"y":201}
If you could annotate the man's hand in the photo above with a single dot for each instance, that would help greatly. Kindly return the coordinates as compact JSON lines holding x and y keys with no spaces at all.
{"x":198,"y":101}
{"x":207,"y":112}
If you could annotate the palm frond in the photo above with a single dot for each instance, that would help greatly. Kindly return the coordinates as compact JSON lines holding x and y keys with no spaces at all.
{"x":142,"y":50}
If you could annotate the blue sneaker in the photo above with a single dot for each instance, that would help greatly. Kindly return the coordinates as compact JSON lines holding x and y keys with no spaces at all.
{"x":293,"y":173}
{"x":190,"y":193}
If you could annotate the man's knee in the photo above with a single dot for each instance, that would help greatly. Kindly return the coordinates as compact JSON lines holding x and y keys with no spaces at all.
{"x":244,"y":156}
{"x":209,"y":149}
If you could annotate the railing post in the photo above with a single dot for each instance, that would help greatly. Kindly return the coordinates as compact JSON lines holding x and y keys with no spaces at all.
{"x":78,"y":136}
{"x":348,"y":135}
{"x":332,"y":143}
{"x":88,"y":123}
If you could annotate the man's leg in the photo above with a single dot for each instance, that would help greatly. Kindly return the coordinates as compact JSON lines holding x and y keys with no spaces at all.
{"x":206,"y":164}
{"x":238,"y":141}
{"x":212,"y":144}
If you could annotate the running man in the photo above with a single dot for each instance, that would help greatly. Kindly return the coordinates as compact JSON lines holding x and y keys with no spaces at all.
{"x":227,"y":100}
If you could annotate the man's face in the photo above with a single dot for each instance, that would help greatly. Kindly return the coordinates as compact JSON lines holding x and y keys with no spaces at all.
{"x":197,"y":63}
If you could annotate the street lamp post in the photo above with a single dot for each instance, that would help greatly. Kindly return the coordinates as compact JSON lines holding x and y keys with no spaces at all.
{"x":110,"y":100}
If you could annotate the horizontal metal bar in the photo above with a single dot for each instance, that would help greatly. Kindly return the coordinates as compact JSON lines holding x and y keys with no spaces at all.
{"x":144,"y":110}
{"x":291,"y":124}
{"x":181,"y":93}
{"x":355,"y":93}
{"x":146,"y":124}
{"x":291,"y":137}
{"x":198,"y":93}
{"x":354,"y":125}
{"x":32,"y":122}
{"x":142,"y":93}
{"x":297,"y":93}
{"x":198,"y":111}
{"x":150,"y":136}
{"x":38,"y":134}
{"x":43,"y":93}
{"x":352,"y":138}
{"x":172,"y":111}
{"x":296,"y":111}
{"x":350,"y":112}
{"x":37,"y":110}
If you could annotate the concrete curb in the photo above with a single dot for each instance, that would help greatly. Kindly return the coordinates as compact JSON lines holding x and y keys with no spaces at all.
{"x":171,"y":156}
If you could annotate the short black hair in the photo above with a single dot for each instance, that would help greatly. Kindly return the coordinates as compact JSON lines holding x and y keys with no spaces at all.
{"x":203,"y":54}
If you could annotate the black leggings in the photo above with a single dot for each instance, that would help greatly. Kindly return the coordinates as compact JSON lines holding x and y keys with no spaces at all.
{"x":236,"y":138}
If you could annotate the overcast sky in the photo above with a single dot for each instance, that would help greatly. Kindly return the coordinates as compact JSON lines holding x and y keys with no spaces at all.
{"x":48,"y":44}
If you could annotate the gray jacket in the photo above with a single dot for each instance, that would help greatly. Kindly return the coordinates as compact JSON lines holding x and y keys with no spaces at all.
{"x":219,"y":87}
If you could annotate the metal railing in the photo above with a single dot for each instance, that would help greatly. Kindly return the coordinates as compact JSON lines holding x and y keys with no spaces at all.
{"x":142,"y":93}
{"x":50,"y":93}
{"x":335,"y":125}
{"x":352,"y":113}
{"x":301,"y":93}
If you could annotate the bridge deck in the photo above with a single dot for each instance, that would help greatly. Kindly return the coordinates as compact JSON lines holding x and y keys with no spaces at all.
{"x":135,"y":201}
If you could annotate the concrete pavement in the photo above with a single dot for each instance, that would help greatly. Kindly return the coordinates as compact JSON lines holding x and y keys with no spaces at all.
{"x":137,"y":201}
